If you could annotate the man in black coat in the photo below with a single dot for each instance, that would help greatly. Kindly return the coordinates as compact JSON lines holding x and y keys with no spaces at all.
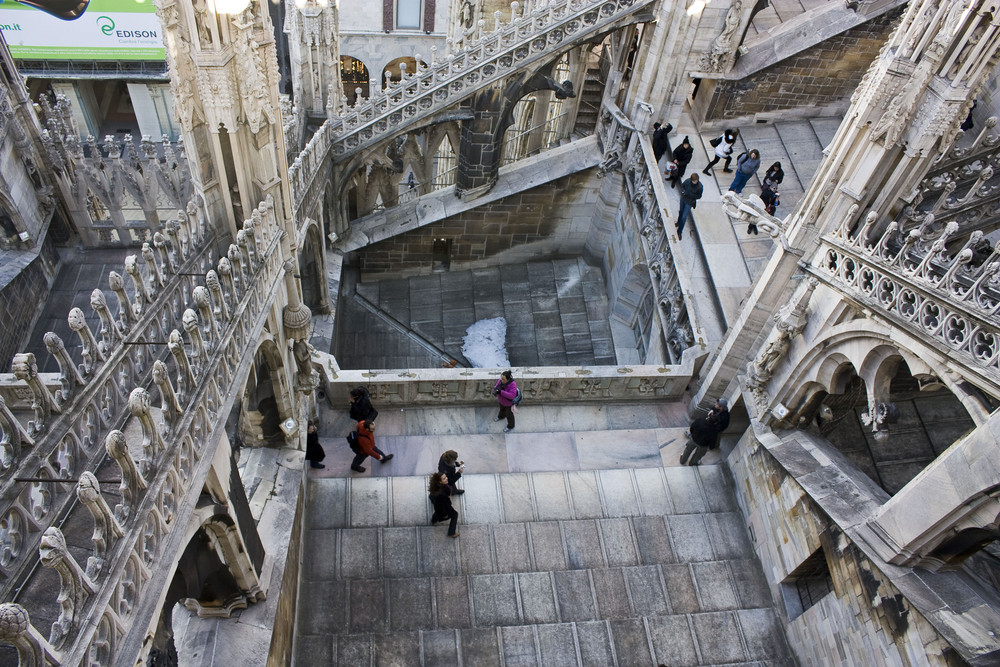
{"x":704,"y":433}
{"x":691,"y":191}
{"x":660,"y":141}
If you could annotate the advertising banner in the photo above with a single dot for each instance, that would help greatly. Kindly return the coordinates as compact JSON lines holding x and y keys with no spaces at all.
{"x":106,"y":30}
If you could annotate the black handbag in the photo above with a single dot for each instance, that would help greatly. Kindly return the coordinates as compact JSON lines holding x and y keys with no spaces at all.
{"x":715,"y":142}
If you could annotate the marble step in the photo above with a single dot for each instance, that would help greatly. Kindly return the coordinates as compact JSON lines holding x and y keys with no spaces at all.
{"x":703,"y":493}
{"x":744,"y":637}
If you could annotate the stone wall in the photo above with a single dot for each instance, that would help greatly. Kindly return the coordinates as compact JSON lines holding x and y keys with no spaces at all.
{"x":865,"y":620}
{"x":549,"y":221}
{"x":280,"y":652}
{"x":25,"y":279}
{"x":819,"y":79}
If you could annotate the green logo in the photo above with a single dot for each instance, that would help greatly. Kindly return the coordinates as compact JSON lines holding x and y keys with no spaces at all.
{"x":106,"y":24}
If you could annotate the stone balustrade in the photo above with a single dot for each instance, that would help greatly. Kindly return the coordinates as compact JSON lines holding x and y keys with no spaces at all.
{"x":105,"y":616}
{"x":543,"y":384}
{"x":432,"y":88}
{"x":947,"y":297}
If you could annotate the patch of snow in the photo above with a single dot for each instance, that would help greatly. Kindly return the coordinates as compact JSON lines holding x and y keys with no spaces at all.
{"x":485,"y":344}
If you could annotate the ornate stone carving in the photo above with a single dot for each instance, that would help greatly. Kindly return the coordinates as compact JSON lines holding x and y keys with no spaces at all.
{"x":788,"y":323}
{"x":154,"y":269}
{"x":750,"y":210}
{"x":89,"y":347}
{"x":126,"y":317}
{"x":69,"y":375}
{"x":200,"y":352}
{"x":14,"y":435}
{"x":168,"y":398}
{"x":185,"y":375}
{"x":203,"y":302}
{"x":42,"y":403}
{"x":133,"y":483}
{"x":33,"y":650}
{"x":152,"y":441}
{"x":106,"y":527}
{"x":724,"y":47}
{"x":221,"y":308}
{"x":110,"y":335}
{"x":76,"y":585}
{"x":160,"y":244}
{"x":226,"y":277}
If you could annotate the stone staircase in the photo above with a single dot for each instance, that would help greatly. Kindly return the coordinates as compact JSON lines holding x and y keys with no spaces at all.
{"x":577,"y":547}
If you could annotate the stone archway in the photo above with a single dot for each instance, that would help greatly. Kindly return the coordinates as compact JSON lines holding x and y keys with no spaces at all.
{"x":267,"y":399}
{"x":312,"y":271}
{"x":916,"y":416}
{"x":354,"y":75}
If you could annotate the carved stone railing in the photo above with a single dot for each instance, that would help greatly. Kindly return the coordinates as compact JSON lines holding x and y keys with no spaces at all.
{"x":418,"y":95}
{"x":950,"y":298}
{"x":962,"y":186}
{"x":108,"y":605}
{"x":630,"y":152}
{"x":469,"y":386}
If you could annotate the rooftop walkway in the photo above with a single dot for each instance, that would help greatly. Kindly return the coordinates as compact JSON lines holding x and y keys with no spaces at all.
{"x":583,"y":542}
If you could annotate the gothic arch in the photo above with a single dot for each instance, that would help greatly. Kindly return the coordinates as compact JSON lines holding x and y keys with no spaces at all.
{"x":354,"y":74}
{"x":312,"y":269}
{"x":267,"y":399}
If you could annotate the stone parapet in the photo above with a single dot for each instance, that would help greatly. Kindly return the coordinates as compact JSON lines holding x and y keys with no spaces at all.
{"x":465,"y":386}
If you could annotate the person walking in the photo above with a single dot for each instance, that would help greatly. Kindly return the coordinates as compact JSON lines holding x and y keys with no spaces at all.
{"x":361,"y":405}
{"x":691,"y":191}
{"x":773,"y":176}
{"x":723,"y":149}
{"x":440,"y":494}
{"x":704,"y":433}
{"x":450,"y":466}
{"x":682,"y":157}
{"x":506,"y":391}
{"x":314,"y":450}
{"x":746,"y":166}
{"x":366,"y":447}
{"x":660,"y":141}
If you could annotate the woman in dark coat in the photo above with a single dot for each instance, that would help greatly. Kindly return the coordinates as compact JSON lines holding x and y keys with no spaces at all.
{"x":440,"y":495}
{"x":314,"y":450}
{"x":361,"y":405}
{"x":774,"y":176}
{"x":449,"y":465}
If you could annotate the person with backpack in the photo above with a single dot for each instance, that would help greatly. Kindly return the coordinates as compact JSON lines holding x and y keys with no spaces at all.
{"x":365,"y":439}
{"x":508,"y":395}
{"x":723,"y":146}
{"x":746,"y":166}
{"x":704,"y":433}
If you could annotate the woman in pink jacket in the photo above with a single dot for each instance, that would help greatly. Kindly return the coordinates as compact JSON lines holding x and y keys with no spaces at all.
{"x":506,"y":391}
